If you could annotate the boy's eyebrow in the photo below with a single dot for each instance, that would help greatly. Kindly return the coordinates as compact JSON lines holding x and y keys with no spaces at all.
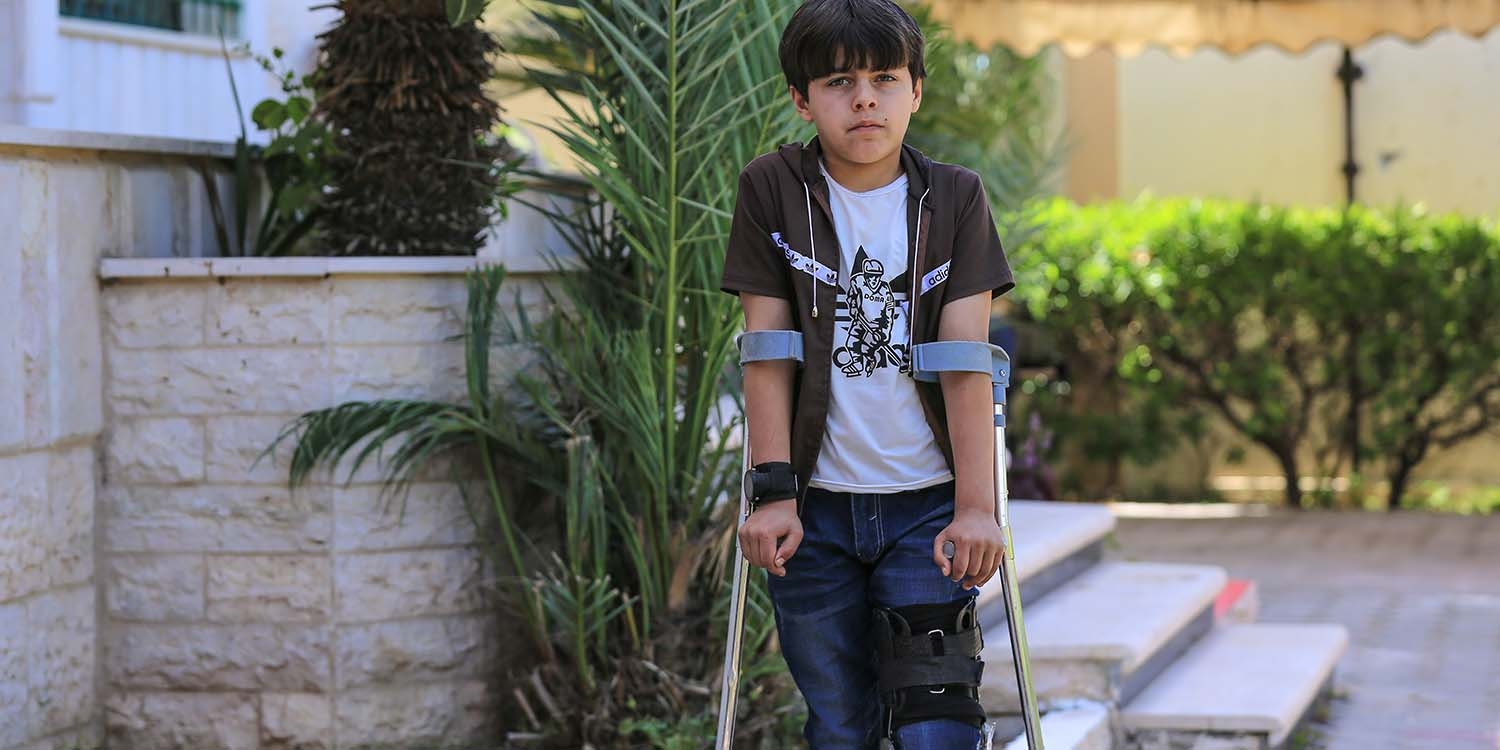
{"x":841,"y":71}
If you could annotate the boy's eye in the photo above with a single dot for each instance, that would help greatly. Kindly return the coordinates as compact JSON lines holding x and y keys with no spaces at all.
{"x":841,"y":80}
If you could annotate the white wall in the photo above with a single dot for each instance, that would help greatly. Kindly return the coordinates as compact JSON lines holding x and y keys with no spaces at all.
{"x":118,"y":79}
{"x":1269,"y":124}
{"x":293,"y":26}
{"x":8,"y":51}
{"x":77,"y":74}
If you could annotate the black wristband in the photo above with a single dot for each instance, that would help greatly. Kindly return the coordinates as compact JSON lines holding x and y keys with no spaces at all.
{"x":769,"y":482}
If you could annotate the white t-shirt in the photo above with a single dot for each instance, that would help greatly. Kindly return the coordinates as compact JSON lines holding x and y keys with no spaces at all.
{"x":877,"y":438}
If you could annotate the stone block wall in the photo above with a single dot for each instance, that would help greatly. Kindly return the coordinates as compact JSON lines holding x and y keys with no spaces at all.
{"x":319,"y":617}
{"x":63,"y":204}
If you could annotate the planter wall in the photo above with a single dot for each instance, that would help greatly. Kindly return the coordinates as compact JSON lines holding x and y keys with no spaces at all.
{"x":319,"y":617}
{"x":156,"y":591}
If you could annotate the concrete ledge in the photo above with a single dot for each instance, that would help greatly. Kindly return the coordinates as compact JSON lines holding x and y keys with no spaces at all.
{"x":1185,"y":511}
{"x":1084,"y":726}
{"x":1089,"y":638}
{"x":1248,"y":679}
{"x":1046,"y":532}
{"x":1121,"y":611}
{"x":304,"y":267}
{"x":77,"y":140}
{"x":1055,"y":541}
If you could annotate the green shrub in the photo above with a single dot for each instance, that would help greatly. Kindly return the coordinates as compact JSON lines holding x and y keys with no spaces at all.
{"x":1345,"y":335}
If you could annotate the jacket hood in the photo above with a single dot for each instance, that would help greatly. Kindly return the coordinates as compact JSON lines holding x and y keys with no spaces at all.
{"x":803,"y":159}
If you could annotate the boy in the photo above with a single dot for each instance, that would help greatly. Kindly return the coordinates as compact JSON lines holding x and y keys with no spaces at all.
{"x":867,"y":248}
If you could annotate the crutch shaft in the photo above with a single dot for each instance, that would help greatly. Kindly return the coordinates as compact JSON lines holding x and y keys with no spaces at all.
{"x":1011,"y":588}
{"x":1030,"y":715}
{"x":730,"y":689}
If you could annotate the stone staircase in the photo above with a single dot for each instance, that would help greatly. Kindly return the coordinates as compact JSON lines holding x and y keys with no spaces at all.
{"x":1136,"y":655}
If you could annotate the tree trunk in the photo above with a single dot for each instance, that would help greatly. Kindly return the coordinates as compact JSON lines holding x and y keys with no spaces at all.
{"x":1288,"y":459}
{"x":1356,"y":387}
{"x":1399,"y":477}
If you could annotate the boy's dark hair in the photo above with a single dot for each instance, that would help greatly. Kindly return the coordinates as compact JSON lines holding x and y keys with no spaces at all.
{"x":833,"y":36}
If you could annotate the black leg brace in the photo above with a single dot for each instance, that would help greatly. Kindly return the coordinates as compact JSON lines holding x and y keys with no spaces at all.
{"x":929,"y":663}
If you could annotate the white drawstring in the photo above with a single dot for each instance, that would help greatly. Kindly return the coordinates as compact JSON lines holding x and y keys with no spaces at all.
{"x":915,"y":288}
{"x":807,"y":194}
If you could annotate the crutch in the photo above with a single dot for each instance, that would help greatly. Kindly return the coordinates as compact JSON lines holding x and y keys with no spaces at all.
{"x":928,"y":360}
{"x":755,"y":346}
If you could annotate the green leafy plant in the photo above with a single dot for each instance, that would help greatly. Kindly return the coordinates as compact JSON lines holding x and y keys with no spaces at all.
{"x":676,"y":99}
{"x":277,"y":187}
{"x":295,"y":160}
{"x":1338,"y":335}
{"x":1087,"y":281}
{"x":1417,"y":292}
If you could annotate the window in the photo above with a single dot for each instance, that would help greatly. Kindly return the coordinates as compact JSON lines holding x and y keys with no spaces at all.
{"x":192,"y":16}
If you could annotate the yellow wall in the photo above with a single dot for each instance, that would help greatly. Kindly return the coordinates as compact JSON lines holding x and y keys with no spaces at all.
{"x":1269,"y":124}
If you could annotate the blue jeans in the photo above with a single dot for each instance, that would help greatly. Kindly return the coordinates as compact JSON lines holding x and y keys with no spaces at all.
{"x":860,"y":551}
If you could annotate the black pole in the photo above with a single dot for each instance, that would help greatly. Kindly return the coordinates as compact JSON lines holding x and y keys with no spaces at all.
{"x":1348,"y":73}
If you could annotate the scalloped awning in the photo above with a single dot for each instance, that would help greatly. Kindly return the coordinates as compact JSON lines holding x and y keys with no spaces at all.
{"x":1181,"y":26}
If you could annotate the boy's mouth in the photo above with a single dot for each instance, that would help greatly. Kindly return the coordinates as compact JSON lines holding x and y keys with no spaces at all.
{"x":866,"y":127}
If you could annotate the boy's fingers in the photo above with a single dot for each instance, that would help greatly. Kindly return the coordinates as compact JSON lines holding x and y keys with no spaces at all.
{"x":747,"y":545}
{"x":976,"y":564}
{"x":960,"y":563}
{"x":986,"y":567}
{"x":767,"y":550}
{"x":788,"y":547}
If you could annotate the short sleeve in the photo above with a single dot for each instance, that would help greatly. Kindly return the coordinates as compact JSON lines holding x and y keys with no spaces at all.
{"x":752,"y":261}
{"x":979,"y":263}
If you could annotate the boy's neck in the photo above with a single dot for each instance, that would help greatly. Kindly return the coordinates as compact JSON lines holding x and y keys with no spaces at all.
{"x":862,"y":178}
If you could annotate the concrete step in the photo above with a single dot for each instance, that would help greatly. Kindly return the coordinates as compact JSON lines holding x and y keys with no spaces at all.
{"x":1243,"y":687}
{"x":1082,"y":726}
{"x":1054,"y":543}
{"x":1103,"y":635}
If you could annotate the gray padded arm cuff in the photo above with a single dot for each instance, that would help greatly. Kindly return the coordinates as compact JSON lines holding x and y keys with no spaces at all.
{"x":959,"y":356}
{"x":762,"y":346}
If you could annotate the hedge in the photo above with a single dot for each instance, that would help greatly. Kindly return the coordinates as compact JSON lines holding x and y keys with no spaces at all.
{"x":1368,"y":338}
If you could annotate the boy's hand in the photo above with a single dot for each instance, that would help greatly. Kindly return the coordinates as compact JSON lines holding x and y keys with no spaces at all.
{"x":978,"y":544}
{"x":770,"y":536}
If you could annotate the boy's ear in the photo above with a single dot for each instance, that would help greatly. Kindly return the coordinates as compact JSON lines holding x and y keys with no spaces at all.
{"x":800,"y":102}
{"x":916,"y":101}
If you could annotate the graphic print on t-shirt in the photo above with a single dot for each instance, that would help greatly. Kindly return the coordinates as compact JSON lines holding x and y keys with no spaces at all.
{"x":872,"y":317}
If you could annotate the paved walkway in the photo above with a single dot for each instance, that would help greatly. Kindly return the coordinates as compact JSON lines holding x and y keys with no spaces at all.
{"x":1419,"y":593}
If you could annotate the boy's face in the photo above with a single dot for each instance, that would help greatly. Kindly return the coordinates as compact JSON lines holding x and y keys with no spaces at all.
{"x":861,"y":115}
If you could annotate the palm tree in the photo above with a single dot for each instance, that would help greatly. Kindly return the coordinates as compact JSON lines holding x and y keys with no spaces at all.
{"x":403,"y":91}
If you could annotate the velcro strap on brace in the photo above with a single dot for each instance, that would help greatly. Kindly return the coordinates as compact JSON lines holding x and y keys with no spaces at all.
{"x":968,"y":643}
{"x":923,"y":671}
